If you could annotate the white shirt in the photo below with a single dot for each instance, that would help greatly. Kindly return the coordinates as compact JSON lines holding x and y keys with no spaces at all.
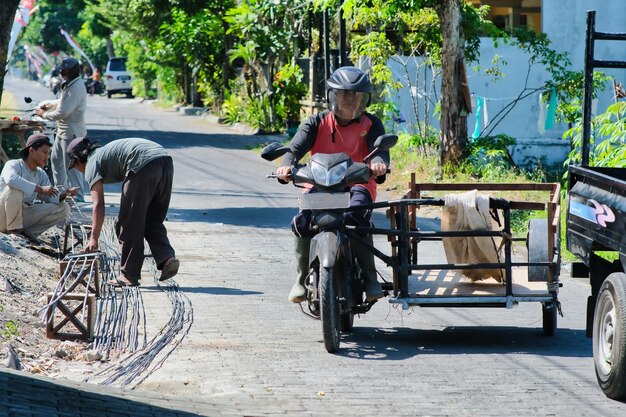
{"x":69,"y":110}
{"x":16,"y":174}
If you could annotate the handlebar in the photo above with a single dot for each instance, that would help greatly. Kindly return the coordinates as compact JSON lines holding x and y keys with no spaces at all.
{"x":379,"y":180}
{"x":382,"y":178}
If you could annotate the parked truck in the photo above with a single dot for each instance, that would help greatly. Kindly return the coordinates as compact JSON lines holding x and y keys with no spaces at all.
{"x":596,"y":233}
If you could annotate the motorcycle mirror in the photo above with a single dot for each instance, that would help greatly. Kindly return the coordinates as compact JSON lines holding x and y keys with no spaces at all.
{"x":386,"y":141}
{"x":28,"y":99}
{"x":273,"y":151}
{"x":382,"y":143}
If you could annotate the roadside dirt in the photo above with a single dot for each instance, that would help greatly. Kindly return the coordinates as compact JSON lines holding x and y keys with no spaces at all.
{"x":27,"y":273}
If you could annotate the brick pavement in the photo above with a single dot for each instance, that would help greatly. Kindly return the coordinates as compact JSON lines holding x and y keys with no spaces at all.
{"x":23,"y":394}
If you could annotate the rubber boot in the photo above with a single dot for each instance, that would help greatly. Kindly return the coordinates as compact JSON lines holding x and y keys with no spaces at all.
{"x":373,"y":289}
{"x":298,"y":292}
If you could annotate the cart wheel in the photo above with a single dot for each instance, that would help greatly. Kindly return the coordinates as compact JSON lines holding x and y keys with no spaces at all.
{"x":549,"y":313}
{"x":538,"y":249}
{"x":329,"y":309}
{"x":609,"y":336}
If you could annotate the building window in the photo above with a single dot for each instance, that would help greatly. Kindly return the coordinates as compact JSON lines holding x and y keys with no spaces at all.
{"x":510,"y":14}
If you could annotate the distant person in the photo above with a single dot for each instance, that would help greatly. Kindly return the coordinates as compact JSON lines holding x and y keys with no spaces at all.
{"x":96,"y":79}
{"x":146,"y":171}
{"x":22,"y":182}
{"x":69,"y":113}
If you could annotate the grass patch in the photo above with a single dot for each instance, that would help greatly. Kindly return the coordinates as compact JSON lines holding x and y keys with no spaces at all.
{"x":11,"y":328}
{"x":7,"y":108}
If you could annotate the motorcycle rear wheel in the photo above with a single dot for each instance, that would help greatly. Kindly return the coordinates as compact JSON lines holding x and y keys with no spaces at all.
{"x":329,"y":309}
{"x":347,"y":321}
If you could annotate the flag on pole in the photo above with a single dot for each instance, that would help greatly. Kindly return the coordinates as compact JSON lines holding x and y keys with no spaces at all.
{"x":77,"y":48}
{"x":22,"y":17}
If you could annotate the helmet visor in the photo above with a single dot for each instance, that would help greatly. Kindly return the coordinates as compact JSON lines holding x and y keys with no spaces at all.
{"x":347,"y":105}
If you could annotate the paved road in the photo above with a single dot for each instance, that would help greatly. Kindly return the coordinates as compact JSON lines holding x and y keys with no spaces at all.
{"x":251,"y":353}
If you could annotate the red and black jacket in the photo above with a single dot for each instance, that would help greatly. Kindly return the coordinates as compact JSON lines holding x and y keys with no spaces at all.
{"x":321,"y":133}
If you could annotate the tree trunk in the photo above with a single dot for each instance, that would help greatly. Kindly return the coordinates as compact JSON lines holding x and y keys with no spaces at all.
{"x":453,"y":136}
{"x":7,"y":15}
{"x":109,"y":47}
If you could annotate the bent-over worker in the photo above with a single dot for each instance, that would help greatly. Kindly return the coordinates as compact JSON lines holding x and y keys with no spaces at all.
{"x":146,"y":171}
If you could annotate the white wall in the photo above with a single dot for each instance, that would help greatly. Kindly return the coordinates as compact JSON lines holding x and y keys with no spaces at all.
{"x":564,"y":23}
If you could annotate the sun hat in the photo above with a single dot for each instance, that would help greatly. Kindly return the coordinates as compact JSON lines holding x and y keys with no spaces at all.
{"x":34,"y":139}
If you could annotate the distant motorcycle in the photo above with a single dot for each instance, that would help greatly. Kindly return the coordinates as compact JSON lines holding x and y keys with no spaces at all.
{"x":97,"y":88}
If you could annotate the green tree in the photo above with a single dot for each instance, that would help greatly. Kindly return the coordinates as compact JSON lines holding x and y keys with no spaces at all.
{"x":45,"y":24}
{"x":181,"y":43}
{"x":607,"y":139}
{"x":453,"y":121}
{"x":446,"y":32}
{"x":265,"y":32}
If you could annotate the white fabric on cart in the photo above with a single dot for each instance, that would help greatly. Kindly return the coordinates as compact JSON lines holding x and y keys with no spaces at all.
{"x":470,"y":211}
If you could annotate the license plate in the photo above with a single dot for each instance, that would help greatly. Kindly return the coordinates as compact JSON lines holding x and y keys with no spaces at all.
{"x":320,"y":201}
{"x":123,"y":77}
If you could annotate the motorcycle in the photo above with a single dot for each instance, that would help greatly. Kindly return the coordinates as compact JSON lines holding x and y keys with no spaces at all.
{"x":335,"y":287}
{"x":95,"y":88}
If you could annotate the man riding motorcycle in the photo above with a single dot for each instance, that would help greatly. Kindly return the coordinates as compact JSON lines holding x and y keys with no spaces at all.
{"x":345,"y":127}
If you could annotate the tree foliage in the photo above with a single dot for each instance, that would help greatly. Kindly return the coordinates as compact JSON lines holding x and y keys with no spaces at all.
{"x":264,"y":34}
{"x":389,"y":27}
{"x":44,"y":26}
{"x":607,"y":139}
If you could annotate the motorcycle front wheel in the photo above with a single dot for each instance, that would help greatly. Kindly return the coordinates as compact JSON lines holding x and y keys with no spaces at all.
{"x":329,"y":309}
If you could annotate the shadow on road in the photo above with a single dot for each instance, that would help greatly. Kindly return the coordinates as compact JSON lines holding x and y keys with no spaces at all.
{"x":173,"y":140}
{"x":271,"y":217}
{"x":218,"y":291}
{"x":401,"y":343}
{"x":27,"y":395}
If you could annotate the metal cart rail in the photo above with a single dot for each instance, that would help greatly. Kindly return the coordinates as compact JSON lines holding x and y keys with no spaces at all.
{"x":436,"y":284}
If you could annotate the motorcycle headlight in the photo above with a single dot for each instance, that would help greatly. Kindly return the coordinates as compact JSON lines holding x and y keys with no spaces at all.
{"x":329,"y":177}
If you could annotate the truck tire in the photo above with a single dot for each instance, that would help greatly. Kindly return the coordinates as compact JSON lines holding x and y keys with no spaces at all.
{"x":609,"y":336}
{"x":538,"y":249}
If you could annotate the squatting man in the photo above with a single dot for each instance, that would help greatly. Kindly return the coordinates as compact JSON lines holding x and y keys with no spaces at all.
{"x":29,"y":204}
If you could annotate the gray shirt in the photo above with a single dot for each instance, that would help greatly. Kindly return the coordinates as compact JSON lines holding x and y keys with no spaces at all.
{"x":16,"y":174}
{"x":114,"y":161}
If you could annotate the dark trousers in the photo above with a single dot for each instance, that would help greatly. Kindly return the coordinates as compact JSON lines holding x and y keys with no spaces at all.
{"x":145,"y":199}
{"x":301,"y":223}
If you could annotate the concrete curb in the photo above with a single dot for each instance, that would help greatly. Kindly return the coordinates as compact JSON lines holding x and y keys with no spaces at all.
{"x":241,"y":128}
